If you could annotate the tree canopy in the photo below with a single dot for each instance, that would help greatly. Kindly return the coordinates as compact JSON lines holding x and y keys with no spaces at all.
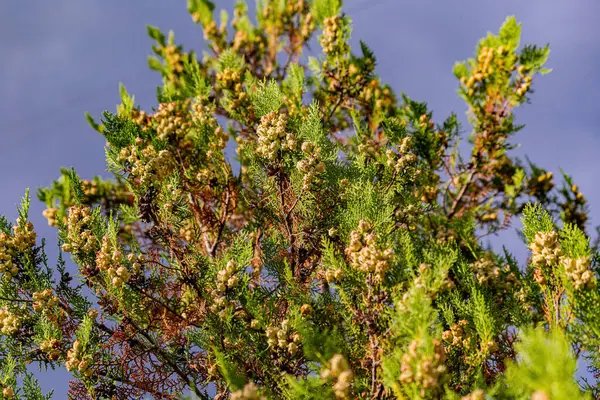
{"x":287,"y":227}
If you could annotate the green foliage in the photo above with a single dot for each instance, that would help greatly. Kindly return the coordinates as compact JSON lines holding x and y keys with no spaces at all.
{"x":534,"y":220}
{"x":155,"y":64}
{"x":266,"y":98}
{"x":533,"y":58}
{"x":482,"y":317}
{"x":199,"y":87}
{"x":95,"y":126}
{"x":201,"y":10}
{"x":323,"y":9}
{"x":156,"y":34}
{"x":311,"y":129}
{"x":545,"y":365}
{"x":75,"y":184}
{"x":231,"y":60}
{"x":574,"y":242}
{"x":295,"y":79}
{"x":127,"y":101}
{"x":32,"y":389}
{"x":342,"y":257}
{"x":510,"y":32}
{"x":460,"y":70}
{"x":119,"y":131}
{"x":228,"y":371}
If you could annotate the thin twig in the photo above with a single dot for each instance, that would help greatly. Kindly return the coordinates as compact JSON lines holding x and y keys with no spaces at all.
{"x":213,"y":248}
{"x":461,"y":193}
{"x":16,"y":300}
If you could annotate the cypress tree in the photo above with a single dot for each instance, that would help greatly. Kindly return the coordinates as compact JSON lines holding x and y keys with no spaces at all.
{"x":288,"y":228}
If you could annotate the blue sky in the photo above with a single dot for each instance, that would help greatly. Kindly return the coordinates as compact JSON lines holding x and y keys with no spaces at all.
{"x":61,"y":58}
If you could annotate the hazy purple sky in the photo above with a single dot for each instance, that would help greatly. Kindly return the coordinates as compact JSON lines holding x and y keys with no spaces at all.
{"x":61,"y":58}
